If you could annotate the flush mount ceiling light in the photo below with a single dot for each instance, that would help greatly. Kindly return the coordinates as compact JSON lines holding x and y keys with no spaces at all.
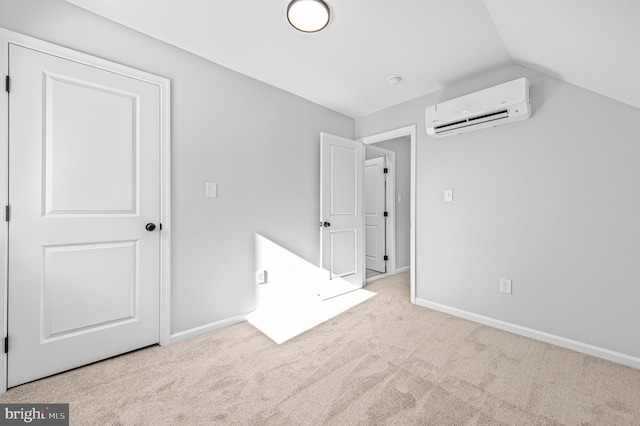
{"x":308,"y":16}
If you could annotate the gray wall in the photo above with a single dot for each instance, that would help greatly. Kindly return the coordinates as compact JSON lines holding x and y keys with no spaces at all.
{"x":402,"y":148}
{"x":259,"y":143}
{"x":551,"y":203}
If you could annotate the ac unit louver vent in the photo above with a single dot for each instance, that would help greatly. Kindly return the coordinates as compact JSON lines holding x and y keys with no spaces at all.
{"x":472,"y":121}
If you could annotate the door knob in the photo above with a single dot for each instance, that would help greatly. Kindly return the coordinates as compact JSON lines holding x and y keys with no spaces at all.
{"x":326,"y":224}
{"x":150,"y":227}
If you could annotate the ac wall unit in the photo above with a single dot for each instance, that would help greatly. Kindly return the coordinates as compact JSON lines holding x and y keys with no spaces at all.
{"x":501,"y":104}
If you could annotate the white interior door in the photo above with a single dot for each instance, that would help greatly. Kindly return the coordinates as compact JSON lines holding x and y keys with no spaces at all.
{"x":341,"y":219}
{"x":84,"y":154}
{"x":374,"y":214}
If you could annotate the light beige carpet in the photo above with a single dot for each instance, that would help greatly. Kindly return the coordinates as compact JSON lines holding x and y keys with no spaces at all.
{"x":384,"y":361}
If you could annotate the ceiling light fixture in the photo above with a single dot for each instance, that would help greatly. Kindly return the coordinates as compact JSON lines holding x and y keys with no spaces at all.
{"x":308,"y":16}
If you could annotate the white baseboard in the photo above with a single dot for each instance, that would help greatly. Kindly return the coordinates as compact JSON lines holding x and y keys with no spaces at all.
{"x":193,"y":332}
{"x":398,"y":271}
{"x":376,"y":277}
{"x":575,"y":345}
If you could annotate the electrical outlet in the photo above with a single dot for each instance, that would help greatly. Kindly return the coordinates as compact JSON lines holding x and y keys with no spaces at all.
{"x":211,"y":190}
{"x":261,"y":276}
{"x":505,"y":285}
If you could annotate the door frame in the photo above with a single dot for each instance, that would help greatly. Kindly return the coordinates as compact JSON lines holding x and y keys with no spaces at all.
{"x":409,"y":131}
{"x":390,"y":224}
{"x":10,"y":37}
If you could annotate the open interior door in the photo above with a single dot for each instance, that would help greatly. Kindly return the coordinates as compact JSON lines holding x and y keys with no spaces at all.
{"x":375,"y":230}
{"x":341,"y":214}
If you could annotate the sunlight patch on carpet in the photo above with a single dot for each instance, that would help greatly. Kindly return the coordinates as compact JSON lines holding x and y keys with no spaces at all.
{"x":281,"y":323}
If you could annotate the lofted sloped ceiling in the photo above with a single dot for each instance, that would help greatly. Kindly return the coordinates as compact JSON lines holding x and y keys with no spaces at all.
{"x":594,"y":44}
{"x":430,"y":43}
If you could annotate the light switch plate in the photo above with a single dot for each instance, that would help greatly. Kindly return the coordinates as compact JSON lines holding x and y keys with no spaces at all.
{"x":261,"y":276}
{"x":211,"y":190}
{"x":448,"y":195}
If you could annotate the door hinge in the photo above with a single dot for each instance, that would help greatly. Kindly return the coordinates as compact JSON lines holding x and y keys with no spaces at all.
{"x":386,"y":214}
{"x":386,"y":257}
{"x":6,"y":345}
{"x":7,"y":84}
{"x":386,"y":170}
{"x":7,"y":213}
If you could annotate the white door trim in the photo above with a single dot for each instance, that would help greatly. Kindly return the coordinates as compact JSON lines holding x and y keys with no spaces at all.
{"x":9,"y":37}
{"x":390,"y":195}
{"x":409,"y":131}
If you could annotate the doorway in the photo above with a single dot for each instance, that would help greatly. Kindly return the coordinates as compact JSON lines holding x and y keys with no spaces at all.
{"x":396,"y":155}
{"x":379,"y":212}
{"x":407,"y":135}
